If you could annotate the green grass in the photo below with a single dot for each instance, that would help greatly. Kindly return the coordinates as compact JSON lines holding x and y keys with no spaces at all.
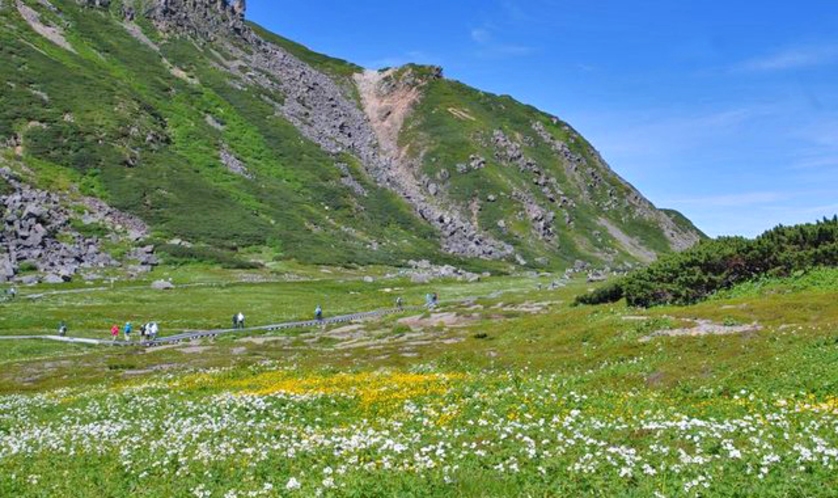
{"x":564,"y":401}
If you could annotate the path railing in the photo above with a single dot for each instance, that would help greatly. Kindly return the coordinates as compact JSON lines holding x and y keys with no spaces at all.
{"x":204,"y":334}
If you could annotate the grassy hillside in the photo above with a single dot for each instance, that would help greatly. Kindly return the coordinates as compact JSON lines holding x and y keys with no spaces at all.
{"x":190,"y":137}
{"x":454,"y":122}
{"x":130,"y":131}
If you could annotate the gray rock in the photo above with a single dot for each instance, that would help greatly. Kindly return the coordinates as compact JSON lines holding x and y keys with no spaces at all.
{"x":420,"y":278}
{"x":162,"y":285}
{"x":7,"y":270}
{"x":369,"y":279}
{"x":52,"y":278}
{"x":29,"y":279}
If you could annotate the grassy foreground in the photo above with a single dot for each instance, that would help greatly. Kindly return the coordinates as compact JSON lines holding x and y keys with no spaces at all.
{"x":514,"y":394}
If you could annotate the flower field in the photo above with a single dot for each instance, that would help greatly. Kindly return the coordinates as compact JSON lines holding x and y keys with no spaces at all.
{"x":267,"y":430}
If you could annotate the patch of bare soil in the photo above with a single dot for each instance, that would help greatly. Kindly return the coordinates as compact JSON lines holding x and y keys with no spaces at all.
{"x":702,"y":328}
{"x":51,"y":33}
{"x":386,"y":110}
{"x":630,"y":244}
{"x":448,"y":320}
{"x":461,"y":114}
{"x":156,"y":368}
{"x":528,"y":306}
{"x":195,"y":349}
{"x":265,"y":339}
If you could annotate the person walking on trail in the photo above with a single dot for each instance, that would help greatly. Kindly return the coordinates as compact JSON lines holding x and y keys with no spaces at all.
{"x":430,"y":301}
{"x":238,"y":321}
{"x":399,"y":303}
{"x":152,"y":331}
{"x":128,"y":329}
{"x":12,"y":293}
{"x":114,"y":332}
{"x":62,"y":329}
{"x":318,"y":313}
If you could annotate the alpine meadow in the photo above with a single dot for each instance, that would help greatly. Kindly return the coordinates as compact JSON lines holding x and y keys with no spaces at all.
{"x":434,"y":290}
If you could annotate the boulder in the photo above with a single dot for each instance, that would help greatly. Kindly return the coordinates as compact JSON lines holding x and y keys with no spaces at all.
{"x":7,"y":270}
{"x":52,"y":278}
{"x":162,"y":285}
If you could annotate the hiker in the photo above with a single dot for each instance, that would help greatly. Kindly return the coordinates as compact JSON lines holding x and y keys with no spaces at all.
{"x":436,"y":299}
{"x":399,"y":303}
{"x":429,"y":300}
{"x":12,"y":293}
{"x":143,"y":331}
{"x":128,"y":329}
{"x":238,"y":321}
{"x":235,"y":320}
{"x":114,"y":332}
{"x":62,"y":328}
{"x":152,"y":331}
{"x":318,"y":313}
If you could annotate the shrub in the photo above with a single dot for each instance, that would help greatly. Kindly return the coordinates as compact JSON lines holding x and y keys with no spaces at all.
{"x":719,"y":264}
{"x":177,"y":254}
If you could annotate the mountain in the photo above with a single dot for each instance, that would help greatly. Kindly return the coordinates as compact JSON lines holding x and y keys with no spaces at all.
{"x":135,"y":130}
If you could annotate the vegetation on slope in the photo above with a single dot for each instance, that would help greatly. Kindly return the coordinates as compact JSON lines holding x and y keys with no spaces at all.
{"x":453,"y":122}
{"x":121,"y":122}
{"x":719,"y":264}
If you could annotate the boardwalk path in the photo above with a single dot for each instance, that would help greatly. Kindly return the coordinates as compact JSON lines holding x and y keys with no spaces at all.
{"x":201,"y":334}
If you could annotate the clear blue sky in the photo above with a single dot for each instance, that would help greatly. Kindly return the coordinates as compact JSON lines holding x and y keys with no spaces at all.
{"x":724,"y":110}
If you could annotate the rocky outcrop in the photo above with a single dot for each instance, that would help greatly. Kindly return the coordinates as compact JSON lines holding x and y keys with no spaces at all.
{"x":619,"y":195}
{"x":205,"y":19}
{"x":233,"y":163}
{"x":36,"y":233}
{"x":40,"y":232}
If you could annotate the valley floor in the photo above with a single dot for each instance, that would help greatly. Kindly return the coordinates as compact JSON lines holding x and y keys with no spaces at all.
{"x":505,"y":390}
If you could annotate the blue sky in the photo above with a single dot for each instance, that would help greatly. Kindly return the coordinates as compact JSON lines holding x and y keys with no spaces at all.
{"x":724,"y":110}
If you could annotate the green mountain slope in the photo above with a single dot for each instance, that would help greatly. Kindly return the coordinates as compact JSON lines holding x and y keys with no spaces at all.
{"x":215,"y":132}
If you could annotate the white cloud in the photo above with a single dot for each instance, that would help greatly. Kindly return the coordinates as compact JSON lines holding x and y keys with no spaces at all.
{"x":794,"y":58}
{"x":481,"y":35}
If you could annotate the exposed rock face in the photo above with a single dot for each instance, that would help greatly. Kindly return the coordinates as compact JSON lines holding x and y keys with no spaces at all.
{"x":387,"y":98}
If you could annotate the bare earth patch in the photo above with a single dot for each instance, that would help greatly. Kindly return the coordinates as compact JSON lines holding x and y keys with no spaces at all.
{"x":51,"y":33}
{"x":448,"y":320}
{"x":461,"y":114}
{"x":702,"y":328}
{"x":195,"y":349}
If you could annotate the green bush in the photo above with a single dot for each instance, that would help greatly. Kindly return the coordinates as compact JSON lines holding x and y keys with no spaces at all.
{"x":178,"y":255}
{"x":609,"y":293}
{"x":720,"y":264}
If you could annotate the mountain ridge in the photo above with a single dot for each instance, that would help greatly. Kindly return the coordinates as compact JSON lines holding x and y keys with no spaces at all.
{"x":306,"y":155}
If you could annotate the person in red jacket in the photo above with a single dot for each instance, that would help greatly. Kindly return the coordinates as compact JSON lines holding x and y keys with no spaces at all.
{"x":114,"y":332}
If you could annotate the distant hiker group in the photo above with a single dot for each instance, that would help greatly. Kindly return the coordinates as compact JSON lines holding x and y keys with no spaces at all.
{"x":148,"y":331}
